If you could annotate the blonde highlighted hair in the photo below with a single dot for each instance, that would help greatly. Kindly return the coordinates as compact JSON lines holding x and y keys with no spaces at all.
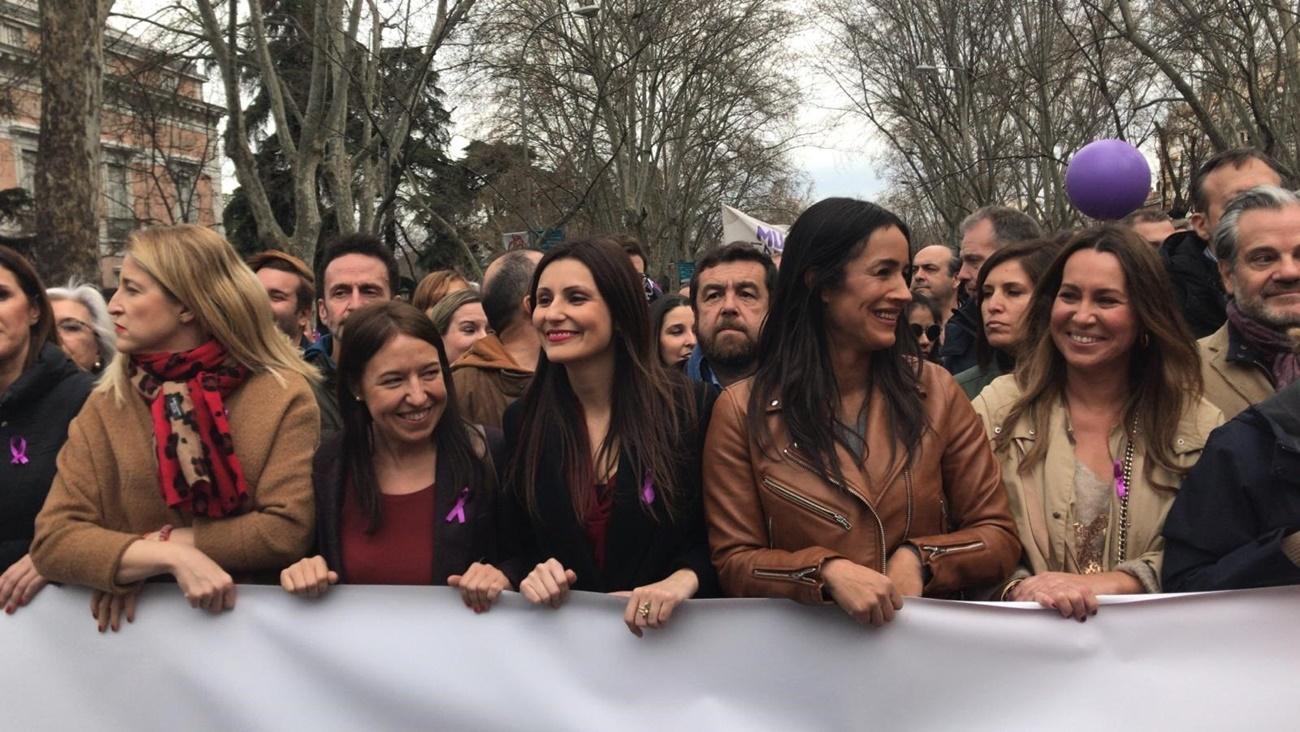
{"x":198,"y":268}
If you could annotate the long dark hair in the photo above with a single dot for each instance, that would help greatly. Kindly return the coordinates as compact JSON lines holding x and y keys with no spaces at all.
{"x":645,"y":421}
{"x":796,"y":362}
{"x":1035,"y":257}
{"x":459,"y":445}
{"x":29,"y":282}
{"x":1164,"y":365}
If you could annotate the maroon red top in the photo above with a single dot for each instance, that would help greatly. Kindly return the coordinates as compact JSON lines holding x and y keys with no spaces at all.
{"x":597,"y":519}
{"x":400,"y":552}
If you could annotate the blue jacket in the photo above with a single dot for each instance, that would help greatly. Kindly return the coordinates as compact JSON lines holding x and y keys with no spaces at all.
{"x":1235,"y":507}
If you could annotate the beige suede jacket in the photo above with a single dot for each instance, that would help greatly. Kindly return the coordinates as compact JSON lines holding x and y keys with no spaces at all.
{"x":1042,"y":498}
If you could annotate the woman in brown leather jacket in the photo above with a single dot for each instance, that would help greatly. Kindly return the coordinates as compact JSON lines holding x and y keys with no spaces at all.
{"x":848,"y":468}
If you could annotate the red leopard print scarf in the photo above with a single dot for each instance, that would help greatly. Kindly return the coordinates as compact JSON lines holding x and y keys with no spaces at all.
{"x":196,"y":457}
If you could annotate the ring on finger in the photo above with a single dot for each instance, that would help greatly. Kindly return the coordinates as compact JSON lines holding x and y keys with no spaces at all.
{"x":643,"y":610}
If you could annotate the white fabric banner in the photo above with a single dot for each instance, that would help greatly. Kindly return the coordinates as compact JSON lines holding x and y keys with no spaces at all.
{"x":740,"y":226}
{"x":392,"y":658}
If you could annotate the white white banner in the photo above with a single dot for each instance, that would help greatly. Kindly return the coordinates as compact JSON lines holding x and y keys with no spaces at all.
{"x":740,"y":226}
{"x":391,"y":658}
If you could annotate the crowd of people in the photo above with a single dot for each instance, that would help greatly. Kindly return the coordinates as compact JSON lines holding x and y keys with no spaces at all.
{"x":871,"y":418}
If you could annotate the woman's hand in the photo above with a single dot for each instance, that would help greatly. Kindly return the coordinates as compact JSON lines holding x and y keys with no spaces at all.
{"x":866,"y":595}
{"x":652,"y":605}
{"x":204,"y":583}
{"x":907,"y":573}
{"x":108,"y":609}
{"x":548,"y":583}
{"x":480,"y":586}
{"x":19,"y":584}
{"x":308,"y":577}
{"x":1069,"y":594}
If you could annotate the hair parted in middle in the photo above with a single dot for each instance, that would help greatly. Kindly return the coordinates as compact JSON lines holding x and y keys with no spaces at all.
{"x":198,"y":268}
{"x":796,"y":363}
{"x":1164,"y":364}
{"x":459,"y":444}
{"x":645,"y":423}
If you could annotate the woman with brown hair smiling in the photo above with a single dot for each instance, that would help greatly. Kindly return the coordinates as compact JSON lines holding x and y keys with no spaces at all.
{"x":605,"y":446}
{"x":404,"y":491}
{"x":1098,"y":425}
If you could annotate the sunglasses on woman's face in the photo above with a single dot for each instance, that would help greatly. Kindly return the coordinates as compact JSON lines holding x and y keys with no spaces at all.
{"x":931,"y":332}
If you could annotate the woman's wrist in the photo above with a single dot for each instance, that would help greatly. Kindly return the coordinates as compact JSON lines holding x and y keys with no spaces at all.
{"x":687,"y":581}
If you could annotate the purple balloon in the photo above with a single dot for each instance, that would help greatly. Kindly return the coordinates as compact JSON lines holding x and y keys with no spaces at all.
{"x":1108,"y":179}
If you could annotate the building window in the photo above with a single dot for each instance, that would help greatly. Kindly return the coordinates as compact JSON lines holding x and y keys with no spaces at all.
{"x":27,"y":171}
{"x":185,"y":204}
{"x":120,"y":203}
{"x":15,"y":35}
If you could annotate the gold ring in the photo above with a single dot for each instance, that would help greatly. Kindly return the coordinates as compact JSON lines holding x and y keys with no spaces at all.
{"x":644,"y":610}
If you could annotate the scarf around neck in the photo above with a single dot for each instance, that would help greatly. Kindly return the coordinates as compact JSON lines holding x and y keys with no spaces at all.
{"x":1273,"y":345}
{"x":185,"y":391}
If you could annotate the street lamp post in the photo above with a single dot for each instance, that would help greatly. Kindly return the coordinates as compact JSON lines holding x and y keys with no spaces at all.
{"x":586,"y":11}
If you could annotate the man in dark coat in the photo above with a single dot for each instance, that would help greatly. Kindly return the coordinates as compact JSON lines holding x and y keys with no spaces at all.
{"x":1236,"y":520}
{"x":1193,"y":269}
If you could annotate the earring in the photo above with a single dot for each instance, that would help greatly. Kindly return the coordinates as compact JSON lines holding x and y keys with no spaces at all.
{"x":358,"y":398}
{"x":1145,"y":340}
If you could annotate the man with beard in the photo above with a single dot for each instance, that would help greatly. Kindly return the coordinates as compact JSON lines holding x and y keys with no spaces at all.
{"x":730,"y":293}
{"x":1257,"y":244}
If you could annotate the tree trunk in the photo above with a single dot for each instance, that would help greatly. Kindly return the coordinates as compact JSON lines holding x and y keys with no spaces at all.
{"x":67,"y":162}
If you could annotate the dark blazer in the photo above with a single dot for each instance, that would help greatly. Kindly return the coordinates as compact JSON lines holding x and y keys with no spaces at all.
{"x":642,"y":547}
{"x":1198,"y":288}
{"x":34,"y":416}
{"x":959,"y":339}
{"x":455,"y":545}
{"x":1239,"y":503}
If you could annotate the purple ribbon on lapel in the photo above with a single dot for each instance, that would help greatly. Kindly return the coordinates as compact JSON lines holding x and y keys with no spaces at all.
{"x":648,"y":489}
{"x":458,"y":511}
{"x":18,"y":451}
{"x":1121,"y":488}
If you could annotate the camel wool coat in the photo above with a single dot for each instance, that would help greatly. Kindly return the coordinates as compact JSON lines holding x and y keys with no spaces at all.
{"x":106,"y":493}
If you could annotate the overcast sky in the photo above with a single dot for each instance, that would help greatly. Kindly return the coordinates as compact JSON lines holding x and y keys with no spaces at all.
{"x":838,"y":160}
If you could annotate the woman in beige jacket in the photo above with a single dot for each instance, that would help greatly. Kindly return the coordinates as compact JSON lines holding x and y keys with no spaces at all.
{"x":193,"y":456}
{"x":1098,"y":425}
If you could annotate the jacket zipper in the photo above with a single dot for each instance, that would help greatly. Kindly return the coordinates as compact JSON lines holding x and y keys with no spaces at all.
{"x":808,"y":504}
{"x":939,"y":551}
{"x":804,"y":575}
{"x":880,"y":525}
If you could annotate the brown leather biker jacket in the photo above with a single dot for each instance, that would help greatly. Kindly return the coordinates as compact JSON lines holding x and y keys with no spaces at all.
{"x":774,"y":521}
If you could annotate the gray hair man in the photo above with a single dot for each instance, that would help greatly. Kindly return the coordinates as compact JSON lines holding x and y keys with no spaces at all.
{"x":1257,"y":244}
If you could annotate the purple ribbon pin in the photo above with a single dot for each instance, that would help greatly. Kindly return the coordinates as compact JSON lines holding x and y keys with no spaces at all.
{"x":18,"y":451}
{"x":648,"y":489}
{"x":1121,"y":488}
{"x":458,"y":511}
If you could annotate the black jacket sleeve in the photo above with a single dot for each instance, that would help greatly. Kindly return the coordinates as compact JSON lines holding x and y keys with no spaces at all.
{"x":1224,"y":531}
